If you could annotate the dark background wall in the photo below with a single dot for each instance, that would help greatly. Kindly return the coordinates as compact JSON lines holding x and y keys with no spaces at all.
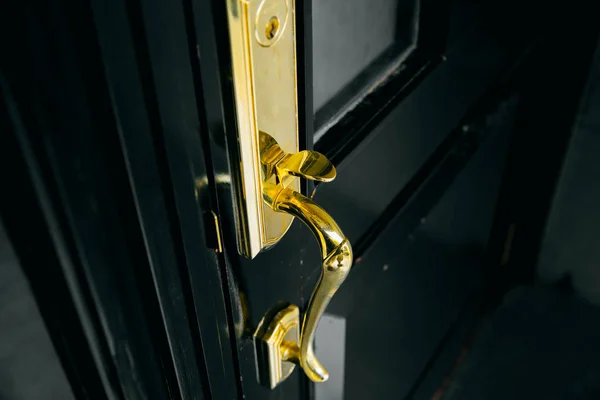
{"x":541,"y":341}
{"x":571,"y":245}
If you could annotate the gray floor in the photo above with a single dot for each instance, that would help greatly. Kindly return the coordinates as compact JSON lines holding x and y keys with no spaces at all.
{"x":29,"y":367}
{"x":541,"y":343}
{"x":571,"y":244}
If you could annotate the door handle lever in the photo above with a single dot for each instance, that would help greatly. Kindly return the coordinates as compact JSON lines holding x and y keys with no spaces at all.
{"x":304,"y":164}
{"x":277,"y":340}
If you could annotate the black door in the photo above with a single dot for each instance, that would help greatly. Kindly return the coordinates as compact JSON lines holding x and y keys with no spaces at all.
{"x":414,"y":103}
{"x":120,"y":134}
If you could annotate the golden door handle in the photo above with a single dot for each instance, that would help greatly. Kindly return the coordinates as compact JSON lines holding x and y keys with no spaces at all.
{"x":276,"y":341}
{"x":304,"y":164}
{"x":266,"y":172}
{"x":336,"y":254}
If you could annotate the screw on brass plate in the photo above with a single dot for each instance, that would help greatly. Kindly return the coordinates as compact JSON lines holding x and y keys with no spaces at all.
{"x":272,"y":28}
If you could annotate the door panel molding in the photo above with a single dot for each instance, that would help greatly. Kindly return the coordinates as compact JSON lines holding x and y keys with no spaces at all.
{"x":344,"y":123}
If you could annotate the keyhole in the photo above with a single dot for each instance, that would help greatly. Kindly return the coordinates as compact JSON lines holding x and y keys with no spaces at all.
{"x":272,"y":28}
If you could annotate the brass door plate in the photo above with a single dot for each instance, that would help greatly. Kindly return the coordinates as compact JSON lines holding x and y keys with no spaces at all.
{"x":275,"y":344}
{"x":263,"y":49}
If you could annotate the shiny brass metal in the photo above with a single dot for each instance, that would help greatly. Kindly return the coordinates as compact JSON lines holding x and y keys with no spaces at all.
{"x":266,"y":171}
{"x":279,"y":335}
{"x":217,"y":227}
{"x":282,"y":168}
{"x":336,"y":252}
{"x":263,"y":49}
